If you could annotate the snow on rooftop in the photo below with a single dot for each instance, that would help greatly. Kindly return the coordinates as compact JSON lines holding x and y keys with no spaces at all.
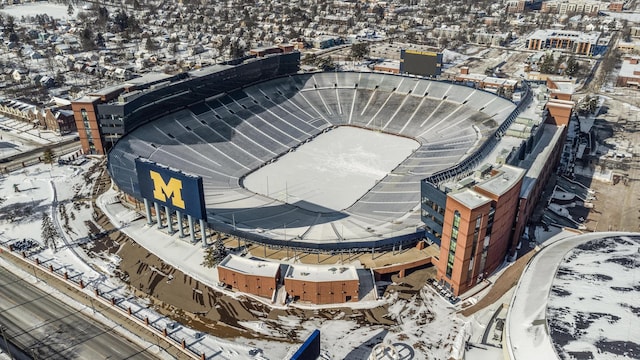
{"x":250,"y":266}
{"x":594,"y":302}
{"x":470,"y":198}
{"x":322,"y":273}
{"x":537,"y":160}
{"x":502,"y":182}
{"x":577,"y":297}
{"x":590,"y":37}
{"x":630,"y":70}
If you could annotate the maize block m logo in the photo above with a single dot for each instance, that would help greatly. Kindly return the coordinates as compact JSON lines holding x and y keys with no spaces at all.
{"x":171,"y":189}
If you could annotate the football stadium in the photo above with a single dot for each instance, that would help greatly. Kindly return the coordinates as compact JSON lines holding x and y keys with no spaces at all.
{"x":331,"y":162}
{"x":328,"y":161}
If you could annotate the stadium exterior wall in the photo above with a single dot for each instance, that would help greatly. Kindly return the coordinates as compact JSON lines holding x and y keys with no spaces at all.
{"x":181,"y":91}
{"x":433,"y":198}
{"x":477,"y":235}
{"x":406,"y":240}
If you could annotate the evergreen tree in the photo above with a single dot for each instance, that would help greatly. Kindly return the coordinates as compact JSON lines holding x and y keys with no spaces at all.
{"x":214,"y":254}
{"x":86,"y":39}
{"x":572,"y":66}
{"x":48,"y":156}
{"x":49,"y":232}
{"x":99,"y":40}
{"x":102,"y":17}
{"x":70,"y":10}
{"x":150,"y":45}
{"x":558,"y":64}
{"x":547,"y":64}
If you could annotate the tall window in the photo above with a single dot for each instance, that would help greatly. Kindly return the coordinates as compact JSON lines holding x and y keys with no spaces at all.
{"x":490,"y":217}
{"x":476,"y":234}
{"x":453,"y":244}
{"x":87,"y":130}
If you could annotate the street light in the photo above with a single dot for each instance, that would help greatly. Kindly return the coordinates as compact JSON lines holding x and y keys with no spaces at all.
{"x":6,"y":343}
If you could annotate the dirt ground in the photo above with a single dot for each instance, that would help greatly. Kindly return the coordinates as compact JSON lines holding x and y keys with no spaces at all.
{"x":186,"y":300}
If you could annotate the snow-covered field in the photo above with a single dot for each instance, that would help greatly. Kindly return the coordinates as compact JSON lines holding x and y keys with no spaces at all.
{"x":332,"y":171}
{"x":58,"y":11}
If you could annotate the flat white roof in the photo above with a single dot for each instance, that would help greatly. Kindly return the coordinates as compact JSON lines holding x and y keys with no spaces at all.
{"x":389,"y":64}
{"x":322,"y":273}
{"x":560,"y":103}
{"x":250,"y":266}
{"x":538,"y":158}
{"x":589,"y":37}
{"x":502,"y":182}
{"x":470,"y":198}
{"x":519,"y":127}
{"x":627,"y":69}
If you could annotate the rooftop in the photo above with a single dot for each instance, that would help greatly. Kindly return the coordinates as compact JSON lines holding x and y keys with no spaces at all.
{"x":209,"y":70}
{"x":628,"y":69}
{"x":148,"y":78}
{"x":469,"y":198}
{"x":576,"y":299}
{"x":322,"y":273}
{"x":589,"y":37}
{"x":539,"y":156}
{"x":250,"y":266}
{"x":500,"y":183}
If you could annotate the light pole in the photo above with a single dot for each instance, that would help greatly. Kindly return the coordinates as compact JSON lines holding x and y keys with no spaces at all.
{"x":6,"y":343}
{"x":34,"y":273}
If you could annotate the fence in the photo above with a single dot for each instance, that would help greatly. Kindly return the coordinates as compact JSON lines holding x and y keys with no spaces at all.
{"x":161,"y":326}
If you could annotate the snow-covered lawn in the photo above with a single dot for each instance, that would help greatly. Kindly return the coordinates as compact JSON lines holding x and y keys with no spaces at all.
{"x":58,"y":11}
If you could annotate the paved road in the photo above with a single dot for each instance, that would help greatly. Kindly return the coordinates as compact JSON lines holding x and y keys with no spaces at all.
{"x":61,"y":148}
{"x":46,"y":328}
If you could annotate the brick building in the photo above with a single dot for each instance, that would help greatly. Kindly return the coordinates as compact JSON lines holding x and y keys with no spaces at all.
{"x":559,"y":111}
{"x":629,"y":74}
{"x":482,"y":81}
{"x":322,"y":284}
{"x":250,"y":276}
{"x":563,"y":7}
{"x":477,"y":228}
{"x":577,"y":42}
{"x":57,"y":119}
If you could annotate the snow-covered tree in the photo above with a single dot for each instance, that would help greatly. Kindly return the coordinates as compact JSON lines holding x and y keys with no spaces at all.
{"x":49,"y":232}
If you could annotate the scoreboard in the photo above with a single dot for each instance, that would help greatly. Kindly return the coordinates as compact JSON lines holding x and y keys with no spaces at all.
{"x":423,"y":63}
